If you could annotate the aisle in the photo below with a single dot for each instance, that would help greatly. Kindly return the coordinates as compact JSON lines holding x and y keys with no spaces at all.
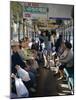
{"x":47,"y":85}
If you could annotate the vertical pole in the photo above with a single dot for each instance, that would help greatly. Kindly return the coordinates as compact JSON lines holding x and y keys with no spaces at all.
{"x":47,"y":16}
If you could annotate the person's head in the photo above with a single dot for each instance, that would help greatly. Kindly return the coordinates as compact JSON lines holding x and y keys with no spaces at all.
{"x":68,"y":45}
{"x":30,"y":62}
{"x":14,"y":46}
{"x":26,"y":42}
{"x":53,"y":33}
{"x":44,"y":33}
{"x":33,"y":41}
{"x":20,"y":44}
{"x":47,"y":32}
{"x":23,"y":44}
{"x":17,"y":67}
{"x":26,"y":39}
{"x":60,"y":36}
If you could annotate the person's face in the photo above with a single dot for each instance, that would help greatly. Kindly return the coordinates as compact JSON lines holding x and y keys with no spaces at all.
{"x":23,"y":44}
{"x":17,"y":47}
{"x":27,"y":43}
{"x":13,"y":48}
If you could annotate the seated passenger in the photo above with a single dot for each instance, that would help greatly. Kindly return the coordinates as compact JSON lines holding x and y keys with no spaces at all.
{"x":32,"y":65}
{"x":66,"y":59}
{"x":58,"y":43}
{"x":21,"y":52}
{"x":26,"y":49}
{"x":15,"y":58}
{"x":35,"y":45}
{"x":27,"y":76}
{"x":61,"y":49}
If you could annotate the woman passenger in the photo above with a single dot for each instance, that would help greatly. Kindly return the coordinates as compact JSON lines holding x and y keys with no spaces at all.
{"x":66,"y":59}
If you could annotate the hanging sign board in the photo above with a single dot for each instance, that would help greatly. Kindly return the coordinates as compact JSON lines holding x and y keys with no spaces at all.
{"x":39,"y":10}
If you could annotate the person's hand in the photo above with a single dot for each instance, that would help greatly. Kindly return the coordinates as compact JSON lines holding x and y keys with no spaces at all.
{"x":13,"y":75}
{"x":56,"y":60}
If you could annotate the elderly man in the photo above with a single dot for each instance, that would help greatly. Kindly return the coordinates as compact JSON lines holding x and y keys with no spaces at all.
{"x":15,"y":57}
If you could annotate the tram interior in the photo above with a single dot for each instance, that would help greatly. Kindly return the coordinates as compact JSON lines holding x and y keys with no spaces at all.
{"x":42,"y":63}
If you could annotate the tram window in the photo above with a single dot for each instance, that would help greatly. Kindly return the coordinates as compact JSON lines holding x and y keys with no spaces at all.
{"x":21,"y":35}
{"x":66,"y":36}
{"x":71,"y":39}
{"x":69,"y":35}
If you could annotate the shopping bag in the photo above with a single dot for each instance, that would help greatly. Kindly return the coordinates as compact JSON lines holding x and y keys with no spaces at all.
{"x":21,"y":88}
{"x":23,"y":74}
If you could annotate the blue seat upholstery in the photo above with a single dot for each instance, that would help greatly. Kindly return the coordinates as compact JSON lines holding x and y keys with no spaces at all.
{"x":69,"y":72}
{"x":71,"y":84}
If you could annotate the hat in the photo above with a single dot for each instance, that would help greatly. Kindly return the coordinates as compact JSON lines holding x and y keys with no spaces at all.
{"x":14,"y":43}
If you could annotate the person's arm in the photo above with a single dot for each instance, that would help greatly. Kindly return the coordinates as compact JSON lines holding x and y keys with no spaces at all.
{"x":45,"y":60}
{"x":64,"y":55}
{"x":66,"y":59}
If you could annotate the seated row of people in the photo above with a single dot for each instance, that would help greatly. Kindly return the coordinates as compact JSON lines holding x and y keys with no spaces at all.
{"x":23,"y":62}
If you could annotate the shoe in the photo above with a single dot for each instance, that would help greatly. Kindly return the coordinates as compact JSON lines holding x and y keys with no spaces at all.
{"x":60,"y":78}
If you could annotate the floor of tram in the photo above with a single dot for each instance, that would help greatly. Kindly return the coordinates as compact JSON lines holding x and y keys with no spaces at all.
{"x":48,"y":85}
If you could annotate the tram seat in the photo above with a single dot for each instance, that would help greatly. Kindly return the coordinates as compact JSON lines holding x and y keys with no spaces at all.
{"x":68,"y":72}
{"x":71,"y":84}
{"x":69,"y":75}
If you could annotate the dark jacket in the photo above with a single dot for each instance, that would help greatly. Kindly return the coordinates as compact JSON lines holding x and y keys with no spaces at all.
{"x":16,"y":60}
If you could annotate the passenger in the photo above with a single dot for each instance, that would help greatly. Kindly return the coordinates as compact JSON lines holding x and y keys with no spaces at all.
{"x":49,"y":47}
{"x":42,"y":45}
{"x":58,"y":43}
{"x":48,"y":35}
{"x":21,"y":90}
{"x":26,"y":49}
{"x":15,"y":57}
{"x":35,"y":45}
{"x":66,"y":59}
{"x":33,"y":65}
{"x":61,"y":49}
{"x":53,"y":39}
{"x":43,"y":38}
{"x":20,"y":51}
{"x":27,"y":76}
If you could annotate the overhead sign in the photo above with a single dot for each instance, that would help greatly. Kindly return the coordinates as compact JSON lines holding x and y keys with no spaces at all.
{"x":35,"y":9}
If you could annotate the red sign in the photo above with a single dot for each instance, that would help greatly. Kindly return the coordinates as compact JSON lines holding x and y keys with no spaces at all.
{"x":27,"y":15}
{"x":31,"y":4}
